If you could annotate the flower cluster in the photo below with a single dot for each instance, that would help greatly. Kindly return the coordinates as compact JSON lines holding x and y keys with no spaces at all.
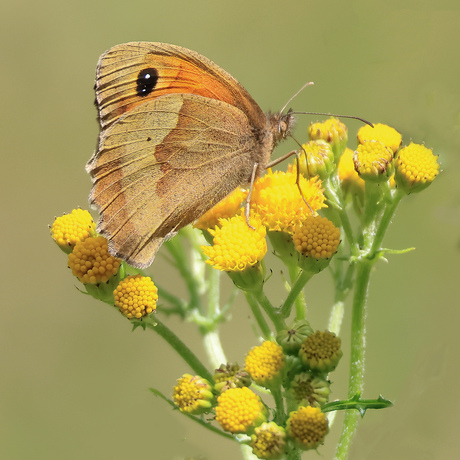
{"x":304,"y":214}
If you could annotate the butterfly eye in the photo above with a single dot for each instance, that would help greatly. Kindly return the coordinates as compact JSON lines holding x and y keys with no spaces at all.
{"x":146,"y":81}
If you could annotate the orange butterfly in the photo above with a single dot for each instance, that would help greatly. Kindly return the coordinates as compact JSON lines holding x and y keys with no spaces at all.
{"x":178,"y":134}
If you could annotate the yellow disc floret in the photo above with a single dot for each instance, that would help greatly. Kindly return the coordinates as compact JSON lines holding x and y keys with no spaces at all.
{"x":240,"y":410}
{"x":415,"y":168}
{"x":265,"y":362}
{"x":373,"y":161}
{"x":380,"y":132}
{"x":136,"y":296}
{"x":91,"y":262}
{"x":193,"y":394}
{"x":269,"y":441}
{"x":69,"y":229}
{"x":228,"y":207}
{"x":317,"y":237}
{"x":236,"y":245}
{"x":307,"y":426}
{"x":278,"y":202}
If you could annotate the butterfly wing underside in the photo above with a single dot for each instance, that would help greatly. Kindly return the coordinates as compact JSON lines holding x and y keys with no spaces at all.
{"x":162,"y":165}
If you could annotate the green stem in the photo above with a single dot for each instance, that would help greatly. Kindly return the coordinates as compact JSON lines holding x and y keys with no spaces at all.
{"x":295,"y":291}
{"x":263,"y":325}
{"x":275,"y":317}
{"x":385,"y":222}
{"x":300,"y":302}
{"x":214,"y":350}
{"x":356,"y":379}
{"x":187,"y":355}
{"x":280,"y":416}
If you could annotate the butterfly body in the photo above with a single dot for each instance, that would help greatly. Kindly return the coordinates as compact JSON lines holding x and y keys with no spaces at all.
{"x":178,"y":134}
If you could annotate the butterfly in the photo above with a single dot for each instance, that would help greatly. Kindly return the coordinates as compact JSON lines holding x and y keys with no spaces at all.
{"x":177,"y":134}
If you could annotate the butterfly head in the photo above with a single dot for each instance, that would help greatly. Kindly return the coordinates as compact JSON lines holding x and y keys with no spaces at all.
{"x":281,"y":125}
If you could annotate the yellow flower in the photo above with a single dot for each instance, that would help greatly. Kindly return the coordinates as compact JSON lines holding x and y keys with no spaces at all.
{"x":265,"y":363}
{"x":317,"y":237}
{"x":333,"y":131}
{"x":136,"y":296}
{"x":351,"y":182}
{"x":269,"y":441}
{"x":236,"y":245}
{"x":415,"y":168}
{"x":316,"y":158}
{"x":373,"y":161}
{"x":321,"y":351}
{"x":380,"y":132}
{"x":193,"y":394}
{"x":228,"y":207}
{"x":240,"y":410}
{"x":91,"y":262}
{"x":277,"y":201}
{"x":307,"y":426}
{"x":72,"y":228}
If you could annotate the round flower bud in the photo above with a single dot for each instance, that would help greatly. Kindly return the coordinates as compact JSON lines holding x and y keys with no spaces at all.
{"x":317,"y":159}
{"x":136,"y":296}
{"x":310,"y":390}
{"x":321,"y":351}
{"x":193,"y":394}
{"x":307,"y":427}
{"x":380,"y":132}
{"x":265,"y":363}
{"x":373,"y":161}
{"x":269,"y":441}
{"x":70,"y":229}
{"x":240,"y":410}
{"x":91,"y":262}
{"x":415,"y":168}
{"x":230,"y":375}
{"x":292,"y":338}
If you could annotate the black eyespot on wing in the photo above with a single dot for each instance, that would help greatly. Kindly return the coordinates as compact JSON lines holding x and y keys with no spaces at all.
{"x":146,"y":81}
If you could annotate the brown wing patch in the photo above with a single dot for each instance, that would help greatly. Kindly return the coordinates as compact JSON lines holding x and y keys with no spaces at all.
{"x":164,"y":164}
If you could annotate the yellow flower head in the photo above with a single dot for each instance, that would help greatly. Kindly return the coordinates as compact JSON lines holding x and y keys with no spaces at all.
{"x":265,"y":363}
{"x":72,"y":228}
{"x":91,"y":262}
{"x":380,"y":132}
{"x":310,"y":390}
{"x":316,"y":158}
{"x":333,"y":131}
{"x":193,"y":394}
{"x":269,"y":441}
{"x":317,"y":237}
{"x":240,"y":410}
{"x":373,"y":161}
{"x":307,"y":426}
{"x":277,"y":201}
{"x":236,"y":245}
{"x":351,"y":182}
{"x":415,"y":168}
{"x":321,"y":351}
{"x":136,"y":296}
{"x":228,"y":207}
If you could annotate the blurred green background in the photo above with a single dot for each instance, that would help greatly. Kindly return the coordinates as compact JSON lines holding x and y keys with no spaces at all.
{"x":74,"y":380}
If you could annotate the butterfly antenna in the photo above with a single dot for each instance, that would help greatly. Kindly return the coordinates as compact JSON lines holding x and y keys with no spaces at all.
{"x":334,"y":115}
{"x":295,"y":95}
